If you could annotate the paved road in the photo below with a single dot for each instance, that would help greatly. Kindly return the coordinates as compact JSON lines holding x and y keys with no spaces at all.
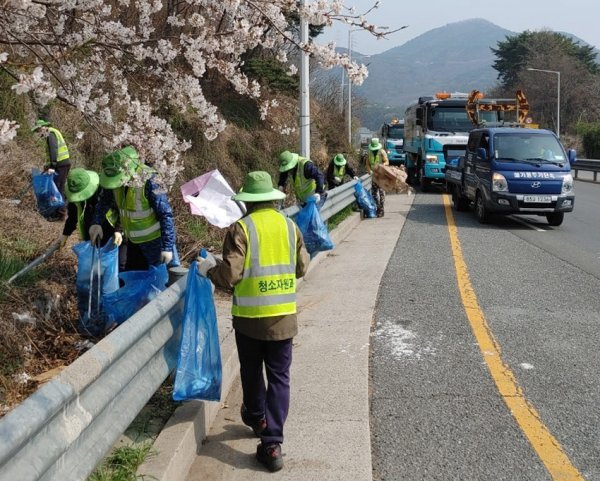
{"x":437,"y":412}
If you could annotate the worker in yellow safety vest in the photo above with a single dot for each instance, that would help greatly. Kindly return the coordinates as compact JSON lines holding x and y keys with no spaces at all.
{"x":376,"y":155}
{"x":143,"y":215}
{"x":307,"y":178}
{"x":337,"y":169}
{"x":263,"y":255}
{"x":57,"y":158}
{"x":82,"y":191}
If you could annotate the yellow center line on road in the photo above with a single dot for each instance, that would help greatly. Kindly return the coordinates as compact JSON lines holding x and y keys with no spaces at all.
{"x":542,"y":441}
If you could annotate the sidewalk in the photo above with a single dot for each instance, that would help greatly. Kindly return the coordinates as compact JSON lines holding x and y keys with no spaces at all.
{"x":327,"y":431}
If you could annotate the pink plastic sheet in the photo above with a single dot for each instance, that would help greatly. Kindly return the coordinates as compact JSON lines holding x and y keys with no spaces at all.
{"x":209,"y":196}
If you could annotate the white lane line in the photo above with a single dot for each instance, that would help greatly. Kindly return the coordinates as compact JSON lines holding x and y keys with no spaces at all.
{"x":525,"y":223}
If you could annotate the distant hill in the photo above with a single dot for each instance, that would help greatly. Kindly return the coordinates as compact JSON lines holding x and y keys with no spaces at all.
{"x":455,"y":57}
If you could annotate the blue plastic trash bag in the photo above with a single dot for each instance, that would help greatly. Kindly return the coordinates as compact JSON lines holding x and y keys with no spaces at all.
{"x":314,"y":231}
{"x":48,"y":198}
{"x":137,"y":288}
{"x":97,"y":273}
{"x":365,"y":201}
{"x":199,"y":372}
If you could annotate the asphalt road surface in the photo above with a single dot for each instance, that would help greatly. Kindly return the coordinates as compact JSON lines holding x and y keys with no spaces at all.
{"x":484,"y":352}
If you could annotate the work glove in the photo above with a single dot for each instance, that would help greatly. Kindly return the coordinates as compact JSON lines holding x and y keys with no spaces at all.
{"x":281,"y":188}
{"x":95,"y":233}
{"x":206,"y":263}
{"x":355,"y":177}
{"x":337,"y":180}
{"x":50,"y":171}
{"x":317,"y":197}
{"x":63,"y":241}
{"x":166,"y":257}
{"x":118,"y":239}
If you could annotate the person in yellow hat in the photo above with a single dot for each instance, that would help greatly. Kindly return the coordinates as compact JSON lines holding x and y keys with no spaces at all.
{"x":307,"y":179}
{"x":337,"y":169}
{"x":57,"y":157}
{"x":263,"y":255}
{"x":376,"y":155}
{"x":82,"y":190}
{"x":144,"y":217}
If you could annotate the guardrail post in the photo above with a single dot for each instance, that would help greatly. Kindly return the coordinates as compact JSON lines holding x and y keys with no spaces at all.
{"x":176,"y":273}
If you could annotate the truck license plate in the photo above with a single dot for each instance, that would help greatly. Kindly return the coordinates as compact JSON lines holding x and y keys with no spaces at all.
{"x":538,"y":199}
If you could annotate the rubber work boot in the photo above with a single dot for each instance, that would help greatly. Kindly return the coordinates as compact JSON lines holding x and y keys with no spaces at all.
{"x":270,"y":456}
{"x":258,"y":426}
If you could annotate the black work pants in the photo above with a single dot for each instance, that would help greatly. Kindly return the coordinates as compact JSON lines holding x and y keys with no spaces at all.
{"x":271,"y":401}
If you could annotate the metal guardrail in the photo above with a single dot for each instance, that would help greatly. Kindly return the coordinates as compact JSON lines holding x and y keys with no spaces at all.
{"x":64,"y":429}
{"x":587,"y":165}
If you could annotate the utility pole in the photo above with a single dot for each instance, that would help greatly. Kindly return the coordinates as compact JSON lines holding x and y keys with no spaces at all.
{"x":349,"y":113}
{"x":304,"y":89}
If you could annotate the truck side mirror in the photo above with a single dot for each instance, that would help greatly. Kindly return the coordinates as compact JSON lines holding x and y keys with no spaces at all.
{"x":572,"y":156}
{"x":482,"y":153}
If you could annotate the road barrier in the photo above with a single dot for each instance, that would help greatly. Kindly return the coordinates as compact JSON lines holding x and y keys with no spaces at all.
{"x":587,"y":165}
{"x":64,"y":429}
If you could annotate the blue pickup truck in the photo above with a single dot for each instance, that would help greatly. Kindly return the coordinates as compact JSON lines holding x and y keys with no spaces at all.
{"x":511,"y":170}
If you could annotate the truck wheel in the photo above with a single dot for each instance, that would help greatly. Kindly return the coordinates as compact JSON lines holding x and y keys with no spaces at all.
{"x":425,"y":183}
{"x":483,"y":216}
{"x":460,"y":203}
{"x":556,"y":218}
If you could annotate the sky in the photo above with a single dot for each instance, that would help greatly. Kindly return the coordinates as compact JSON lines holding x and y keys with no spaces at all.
{"x":577,"y":17}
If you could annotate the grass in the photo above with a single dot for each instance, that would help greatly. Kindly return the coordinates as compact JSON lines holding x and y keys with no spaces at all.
{"x":10,"y":265}
{"x":336,"y":219}
{"x":123,"y":463}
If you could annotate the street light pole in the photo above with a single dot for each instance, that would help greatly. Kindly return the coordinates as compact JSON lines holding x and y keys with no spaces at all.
{"x":349,"y":113}
{"x":304,"y":90}
{"x":557,"y":95}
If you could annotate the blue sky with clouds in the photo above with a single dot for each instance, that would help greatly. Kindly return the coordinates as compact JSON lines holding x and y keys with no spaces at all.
{"x":578,"y":17}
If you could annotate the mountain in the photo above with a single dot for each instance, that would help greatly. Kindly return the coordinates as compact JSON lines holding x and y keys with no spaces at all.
{"x":455,"y":57}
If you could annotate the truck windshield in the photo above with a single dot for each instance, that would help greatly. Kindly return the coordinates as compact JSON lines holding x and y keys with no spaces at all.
{"x":396,"y":132}
{"x":454,"y":119}
{"x":528,"y":147}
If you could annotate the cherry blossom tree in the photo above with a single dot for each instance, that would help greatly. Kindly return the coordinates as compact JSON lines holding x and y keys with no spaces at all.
{"x":120,"y":62}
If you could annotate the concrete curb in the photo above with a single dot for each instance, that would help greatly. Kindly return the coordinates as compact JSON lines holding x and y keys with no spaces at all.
{"x":176,"y":446}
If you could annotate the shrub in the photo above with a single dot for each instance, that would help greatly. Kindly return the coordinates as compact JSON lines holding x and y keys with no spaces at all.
{"x":590,"y":134}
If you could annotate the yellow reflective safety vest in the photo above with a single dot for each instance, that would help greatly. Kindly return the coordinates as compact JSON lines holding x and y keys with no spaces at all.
{"x":268,"y":284}
{"x":80,"y":220}
{"x":63,"y":150}
{"x":339,"y":171}
{"x":111,"y":217}
{"x":374,"y":159}
{"x":303,"y":187}
{"x":138,"y":219}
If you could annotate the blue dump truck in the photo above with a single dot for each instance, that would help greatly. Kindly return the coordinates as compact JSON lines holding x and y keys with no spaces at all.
{"x":513,"y":170}
{"x":437,"y":128}
{"x":392,"y":137}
